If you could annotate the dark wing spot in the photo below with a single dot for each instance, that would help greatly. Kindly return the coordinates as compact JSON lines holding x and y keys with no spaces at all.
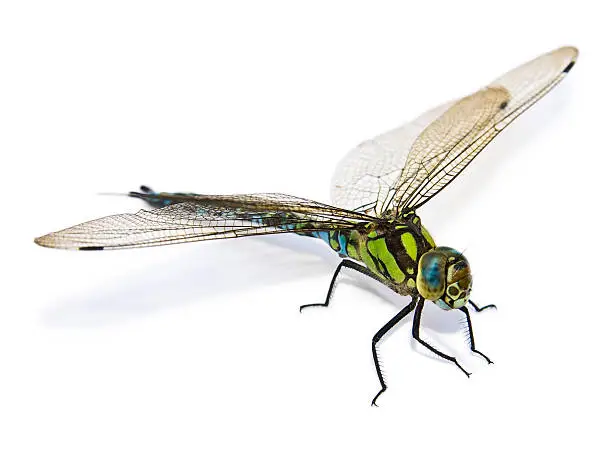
{"x":569,"y":67}
{"x":91,"y":248}
{"x":503,"y":105}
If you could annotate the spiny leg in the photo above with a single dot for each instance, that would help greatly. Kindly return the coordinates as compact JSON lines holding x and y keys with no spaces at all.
{"x":480,"y":309}
{"x":350,"y":265}
{"x":416,"y":324}
{"x":379,"y":335}
{"x":471,"y":334}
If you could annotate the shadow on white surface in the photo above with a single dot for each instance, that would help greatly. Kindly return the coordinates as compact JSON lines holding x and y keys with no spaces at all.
{"x":199,"y":273}
{"x":206,"y":271}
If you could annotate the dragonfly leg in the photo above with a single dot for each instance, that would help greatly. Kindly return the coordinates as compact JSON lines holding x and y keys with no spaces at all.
{"x":348,"y":264}
{"x":379,"y":335}
{"x":480,"y":309}
{"x":416,"y":325}
{"x":471,"y":334}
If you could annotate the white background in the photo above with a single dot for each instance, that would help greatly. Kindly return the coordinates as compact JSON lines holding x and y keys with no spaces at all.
{"x":199,"y":350}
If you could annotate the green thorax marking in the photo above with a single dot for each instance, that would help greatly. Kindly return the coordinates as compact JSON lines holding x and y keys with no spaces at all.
{"x":391,"y":250}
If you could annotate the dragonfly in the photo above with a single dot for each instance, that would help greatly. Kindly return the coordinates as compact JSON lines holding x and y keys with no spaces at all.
{"x":372,"y":223}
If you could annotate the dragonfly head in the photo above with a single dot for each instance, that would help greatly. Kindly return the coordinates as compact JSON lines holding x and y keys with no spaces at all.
{"x":444,"y":277}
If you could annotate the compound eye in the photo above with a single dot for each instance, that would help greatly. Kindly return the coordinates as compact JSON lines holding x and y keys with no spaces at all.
{"x":431,"y":275}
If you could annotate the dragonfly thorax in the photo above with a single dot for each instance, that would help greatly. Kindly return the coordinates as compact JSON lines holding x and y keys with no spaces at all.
{"x":444,"y":277}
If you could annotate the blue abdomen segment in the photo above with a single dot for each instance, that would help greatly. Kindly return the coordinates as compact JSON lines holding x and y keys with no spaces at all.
{"x":337,"y":240}
{"x":342,"y":240}
{"x":323,"y":235}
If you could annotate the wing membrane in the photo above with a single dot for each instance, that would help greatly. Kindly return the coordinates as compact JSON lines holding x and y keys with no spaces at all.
{"x":364,"y":179}
{"x":414,"y":162}
{"x":200,"y":217}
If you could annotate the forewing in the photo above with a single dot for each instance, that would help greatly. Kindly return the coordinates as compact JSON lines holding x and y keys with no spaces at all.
{"x":364,"y":179}
{"x":419,"y":161}
{"x":203,"y":217}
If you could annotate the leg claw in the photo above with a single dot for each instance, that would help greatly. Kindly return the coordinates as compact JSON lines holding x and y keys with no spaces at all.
{"x":484,"y":356}
{"x":462,"y":369}
{"x":480,"y":309}
{"x":376,"y":397}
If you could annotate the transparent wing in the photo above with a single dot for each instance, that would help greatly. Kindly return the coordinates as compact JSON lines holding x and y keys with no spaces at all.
{"x":365,"y":177}
{"x":199,"y":217}
{"x":407,"y":166}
